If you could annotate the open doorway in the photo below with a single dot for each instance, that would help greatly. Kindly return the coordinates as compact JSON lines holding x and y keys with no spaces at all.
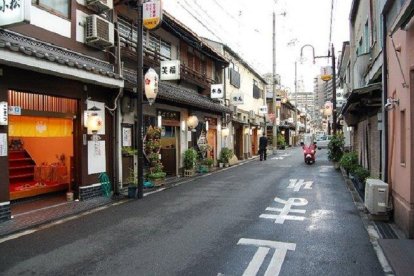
{"x":41,"y":148}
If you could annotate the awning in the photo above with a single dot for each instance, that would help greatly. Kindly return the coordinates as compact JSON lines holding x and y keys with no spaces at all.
{"x":362,"y":101}
{"x":177,"y":94}
{"x":404,"y":18}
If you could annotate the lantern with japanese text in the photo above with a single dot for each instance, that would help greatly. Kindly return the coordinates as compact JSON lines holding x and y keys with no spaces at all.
{"x":151,"y":85}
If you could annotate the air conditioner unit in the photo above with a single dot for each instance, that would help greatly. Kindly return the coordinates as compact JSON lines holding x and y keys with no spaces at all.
{"x":376,"y":196}
{"x":100,"y":5}
{"x":99,"y":32}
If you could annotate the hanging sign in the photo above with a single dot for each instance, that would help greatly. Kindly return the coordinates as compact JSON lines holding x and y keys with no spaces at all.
{"x":217,"y":91}
{"x":152,"y":14}
{"x":14,"y":12}
{"x":237,"y":98}
{"x":4,"y":118}
{"x":170,"y":70}
{"x":263,"y":109}
{"x":326,"y":73}
{"x":328,"y":108}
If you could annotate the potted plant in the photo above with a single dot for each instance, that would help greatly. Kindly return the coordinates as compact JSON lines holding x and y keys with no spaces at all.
{"x":190,"y":159}
{"x":349,"y":161}
{"x":360,"y":174}
{"x":220,"y":163}
{"x":335,"y":149}
{"x":132,"y":181}
{"x":129,"y":151}
{"x":156,"y":174}
{"x":225,"y":155}
{"x":281,"y":143}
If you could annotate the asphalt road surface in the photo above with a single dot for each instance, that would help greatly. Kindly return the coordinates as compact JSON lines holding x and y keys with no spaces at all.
{"x":279,"y":216}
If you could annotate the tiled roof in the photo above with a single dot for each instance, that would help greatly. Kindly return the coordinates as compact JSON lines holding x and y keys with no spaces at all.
{"x":174,"y":93}
{"x":42,"y":50}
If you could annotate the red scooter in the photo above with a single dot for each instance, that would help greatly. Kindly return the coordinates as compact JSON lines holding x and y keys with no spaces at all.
{"x":309,"y":152}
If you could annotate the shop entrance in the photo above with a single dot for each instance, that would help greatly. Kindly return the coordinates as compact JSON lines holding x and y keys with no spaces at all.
{"x":41,"y":145}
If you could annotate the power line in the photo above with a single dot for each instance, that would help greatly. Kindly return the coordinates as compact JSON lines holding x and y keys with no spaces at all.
{"x":198,"y":20}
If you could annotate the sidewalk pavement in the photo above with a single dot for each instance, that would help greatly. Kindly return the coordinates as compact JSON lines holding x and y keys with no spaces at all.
{"x":394,"y":250}
{"x":64,"y":210}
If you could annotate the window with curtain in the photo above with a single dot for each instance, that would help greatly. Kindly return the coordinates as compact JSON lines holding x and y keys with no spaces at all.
{"x":59,"y":7}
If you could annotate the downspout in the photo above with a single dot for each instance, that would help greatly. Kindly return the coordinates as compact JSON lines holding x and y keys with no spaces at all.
{"x":385,"y":137}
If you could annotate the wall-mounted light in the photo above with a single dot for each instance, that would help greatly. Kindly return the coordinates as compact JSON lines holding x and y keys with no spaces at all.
{"x":283,"y":132}
{"x":159,"y":120}
{"x":391,"y":103}
{"x":192,"y":122}
{"x":225,"y":132}
{"x":182,"y":125}
{"x":151,"y":85}
{"x":246,"y":131}
{"x":94,"y":123}
{"x":206,"y":125}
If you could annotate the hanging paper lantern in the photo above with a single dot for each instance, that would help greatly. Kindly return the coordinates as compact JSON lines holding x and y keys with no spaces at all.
{"x":225,"y":131}
{"x":192,"y":122}
{"x":151,"y":85}
{"x":94,"y":122}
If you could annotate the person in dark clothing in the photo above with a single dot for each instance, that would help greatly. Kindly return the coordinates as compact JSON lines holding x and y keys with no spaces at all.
{"x":263,"y":147}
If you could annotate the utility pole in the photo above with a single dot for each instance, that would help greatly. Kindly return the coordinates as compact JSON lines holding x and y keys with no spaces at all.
{"x":140,"y":88}
{"x":274,"y":139}
{"x":333,"y":91}
{"x":296,"y":102}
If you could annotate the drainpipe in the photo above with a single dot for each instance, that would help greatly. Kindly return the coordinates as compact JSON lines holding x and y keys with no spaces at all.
{"x":384,"y":158}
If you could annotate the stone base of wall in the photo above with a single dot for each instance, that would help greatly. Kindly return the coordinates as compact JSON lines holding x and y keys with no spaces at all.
{"x":89,"y":192}
{"x":5,"y":212}
{"x":404,"y":215}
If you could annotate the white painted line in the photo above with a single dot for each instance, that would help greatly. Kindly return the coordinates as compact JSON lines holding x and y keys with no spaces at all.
{"x":256,"y":262}
{"x":31,"y":231}
{"x":264,"y":247}
{"x":284,"y":212}
{"x":296,"y":184}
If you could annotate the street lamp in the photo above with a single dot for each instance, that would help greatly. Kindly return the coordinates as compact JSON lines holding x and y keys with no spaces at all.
{"x":331,"y":54}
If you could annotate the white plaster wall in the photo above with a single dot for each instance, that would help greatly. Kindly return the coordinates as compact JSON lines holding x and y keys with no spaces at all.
{"x":80,"y":26}
{"x":50,"y":22}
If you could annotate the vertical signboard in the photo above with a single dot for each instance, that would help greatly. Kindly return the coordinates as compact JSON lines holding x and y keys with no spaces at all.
{"x":14,"y":12}
{"x":152,"y":14}
{"x":4,"y":118}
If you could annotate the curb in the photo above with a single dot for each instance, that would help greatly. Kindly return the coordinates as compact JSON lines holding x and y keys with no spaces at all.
{"x":369,"y":226}
{"x":29,"y":229}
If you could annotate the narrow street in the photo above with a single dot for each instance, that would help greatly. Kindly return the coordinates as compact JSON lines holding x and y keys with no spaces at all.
{"x":260,"y":218}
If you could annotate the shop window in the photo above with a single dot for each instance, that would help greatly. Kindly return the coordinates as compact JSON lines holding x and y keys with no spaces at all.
{"x":165,"y":50}
{"x":58,"y":7}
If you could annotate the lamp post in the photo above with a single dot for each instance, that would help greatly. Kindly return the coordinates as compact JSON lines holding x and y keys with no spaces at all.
{"x":274,"y":143}
{"x":331,"y":54}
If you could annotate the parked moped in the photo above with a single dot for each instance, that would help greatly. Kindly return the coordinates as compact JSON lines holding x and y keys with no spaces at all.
{"x":309,"y":152}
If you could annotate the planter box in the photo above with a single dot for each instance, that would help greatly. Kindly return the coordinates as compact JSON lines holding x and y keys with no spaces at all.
{"x":158,"y":182}
{"x":189,"y":173}
{"x":132,"y":191}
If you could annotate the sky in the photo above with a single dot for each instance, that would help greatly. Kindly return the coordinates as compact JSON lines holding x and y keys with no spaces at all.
{"x":246,"y":27}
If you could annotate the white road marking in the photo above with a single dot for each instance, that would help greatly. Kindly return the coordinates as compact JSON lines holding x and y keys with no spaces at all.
{"x":284,"y":212}
{"x":296,"y":184}
{"x":264,"y":247}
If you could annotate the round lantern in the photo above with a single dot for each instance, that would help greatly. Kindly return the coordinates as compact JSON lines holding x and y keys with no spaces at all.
{"x":151,"y":85}
{"x":94,"y":123}
{"x":225,"y":132}
{"x":192,"y":122}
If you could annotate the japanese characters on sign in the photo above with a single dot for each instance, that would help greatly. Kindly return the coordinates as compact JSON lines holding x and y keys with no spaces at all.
{"x":152,"y":14}
{"x":14,"y":12}
{"x":237,"y":98}
{"x":170,"y":70}
{"x":263,"y":109}
{"x":217,"y":91}
{"x":4,"y":119}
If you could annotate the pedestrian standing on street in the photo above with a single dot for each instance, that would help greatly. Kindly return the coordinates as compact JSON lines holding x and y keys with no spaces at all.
{"x":263,"y":147}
